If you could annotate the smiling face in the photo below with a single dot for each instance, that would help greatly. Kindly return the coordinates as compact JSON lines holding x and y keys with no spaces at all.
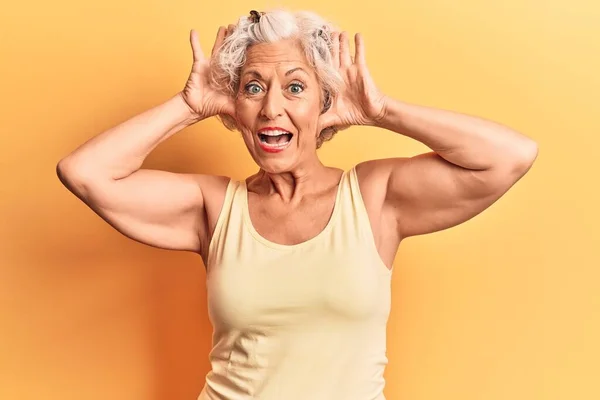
{"x":279,"y":89}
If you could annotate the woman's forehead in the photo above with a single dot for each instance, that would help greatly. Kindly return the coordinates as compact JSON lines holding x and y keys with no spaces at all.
{"x":283,"y":54}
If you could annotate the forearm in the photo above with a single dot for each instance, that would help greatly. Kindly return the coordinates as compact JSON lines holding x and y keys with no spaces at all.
{"x":121,"y":150}
{"x":463,"y":140}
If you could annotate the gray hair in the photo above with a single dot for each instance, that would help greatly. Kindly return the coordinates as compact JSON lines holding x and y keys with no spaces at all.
{"x":314,"y":33}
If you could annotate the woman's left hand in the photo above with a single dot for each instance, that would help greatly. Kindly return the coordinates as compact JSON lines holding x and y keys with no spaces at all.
{"x":359,"y":101}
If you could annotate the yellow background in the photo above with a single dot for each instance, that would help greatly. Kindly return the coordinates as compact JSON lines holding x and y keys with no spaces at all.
{"x":505,"y":306}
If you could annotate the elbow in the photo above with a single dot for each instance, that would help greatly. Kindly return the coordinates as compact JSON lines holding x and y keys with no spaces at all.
{"x":516,"y":161}
{"x":73,"y":176}
{"x":65,"y":174}
{"x":526,"y":155}
{"x":62,"y":171}
{"x":74,"y":169}
{"x":66,"y":170}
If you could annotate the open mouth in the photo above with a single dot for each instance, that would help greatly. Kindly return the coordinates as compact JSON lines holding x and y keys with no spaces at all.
{"x":275,"y":140}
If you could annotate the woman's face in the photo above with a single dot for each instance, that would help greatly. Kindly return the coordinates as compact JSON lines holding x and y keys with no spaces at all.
{"x":278,"y":92}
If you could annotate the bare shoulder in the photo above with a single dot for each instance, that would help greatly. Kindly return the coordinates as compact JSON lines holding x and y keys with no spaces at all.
{"x":373,"y":177}
{"x":214,"y":188}
{"x":212,"y":185}
{"x":213,"y":192}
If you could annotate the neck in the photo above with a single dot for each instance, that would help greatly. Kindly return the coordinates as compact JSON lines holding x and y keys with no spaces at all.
{"x":293,"y":185}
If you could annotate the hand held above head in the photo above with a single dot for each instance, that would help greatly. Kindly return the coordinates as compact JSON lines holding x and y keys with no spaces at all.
{"x":203,"y":100}
{"x":359,"y":101}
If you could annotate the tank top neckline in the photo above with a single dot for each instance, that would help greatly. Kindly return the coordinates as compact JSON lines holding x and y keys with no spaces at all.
{"x":330,"y":223}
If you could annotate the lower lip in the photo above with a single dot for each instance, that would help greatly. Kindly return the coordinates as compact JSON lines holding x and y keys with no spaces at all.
{"x":273,"y":149}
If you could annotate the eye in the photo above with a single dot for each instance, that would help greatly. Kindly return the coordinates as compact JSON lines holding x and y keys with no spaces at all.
{"x":252,"y":88}
{"x":297,"y":86}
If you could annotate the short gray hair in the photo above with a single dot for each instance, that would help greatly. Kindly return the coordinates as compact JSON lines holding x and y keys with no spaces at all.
{"x":314,"y":33}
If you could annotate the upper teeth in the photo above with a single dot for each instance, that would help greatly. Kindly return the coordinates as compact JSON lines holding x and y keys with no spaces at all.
{"x":273,"y":133}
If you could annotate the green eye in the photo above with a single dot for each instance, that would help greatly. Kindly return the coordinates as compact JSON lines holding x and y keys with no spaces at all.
{"x":250,"y":88}
{"x":298,"y":86}
{"x":253,"y":88}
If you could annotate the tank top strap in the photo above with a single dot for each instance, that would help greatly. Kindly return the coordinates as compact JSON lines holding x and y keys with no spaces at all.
{"x":354,"y":204}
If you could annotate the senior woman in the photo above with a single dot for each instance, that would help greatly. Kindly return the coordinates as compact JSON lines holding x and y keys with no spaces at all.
{"x":299,"y":255}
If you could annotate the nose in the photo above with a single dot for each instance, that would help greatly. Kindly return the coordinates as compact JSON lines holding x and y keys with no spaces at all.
{"x":272,"y":104}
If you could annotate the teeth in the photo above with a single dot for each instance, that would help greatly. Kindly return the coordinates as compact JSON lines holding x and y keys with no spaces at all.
{"x":276,"y":146}
{"x":274,"y":133}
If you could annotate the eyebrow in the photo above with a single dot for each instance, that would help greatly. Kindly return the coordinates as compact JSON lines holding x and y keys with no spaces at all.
{"x":259,"y":76}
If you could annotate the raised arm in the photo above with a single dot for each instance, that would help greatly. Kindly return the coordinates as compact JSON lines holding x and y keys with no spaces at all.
{"x":158,"y":208}
{"x":473,"y":163}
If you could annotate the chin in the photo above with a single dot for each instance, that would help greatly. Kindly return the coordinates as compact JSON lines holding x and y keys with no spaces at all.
{"x":275,"y":166}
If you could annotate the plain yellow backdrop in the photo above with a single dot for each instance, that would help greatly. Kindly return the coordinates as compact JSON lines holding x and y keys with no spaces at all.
{"x":504,"y":306}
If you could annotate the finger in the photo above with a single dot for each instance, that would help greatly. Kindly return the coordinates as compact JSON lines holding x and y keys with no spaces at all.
{"x":230,"y":29}
{"x":345,"y":59}
{"x":196,"y":49}
{"x":335,"y":43}
{"x":219,"y":39}
{"x":360,"y":49}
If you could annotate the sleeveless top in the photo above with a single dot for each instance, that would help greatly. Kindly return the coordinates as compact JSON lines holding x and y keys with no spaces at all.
{"x":297,"y":322}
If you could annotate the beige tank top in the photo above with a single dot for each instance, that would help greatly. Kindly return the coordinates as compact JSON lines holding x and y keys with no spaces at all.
{"x":297,"y":322}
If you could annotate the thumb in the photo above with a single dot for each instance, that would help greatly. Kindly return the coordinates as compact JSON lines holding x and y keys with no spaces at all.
{"x":197,"y":53}
{"x":229,"y":107}
{"x":327,"y":120}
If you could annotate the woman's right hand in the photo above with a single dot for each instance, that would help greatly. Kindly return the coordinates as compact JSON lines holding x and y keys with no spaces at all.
{"x":203,"y":100}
